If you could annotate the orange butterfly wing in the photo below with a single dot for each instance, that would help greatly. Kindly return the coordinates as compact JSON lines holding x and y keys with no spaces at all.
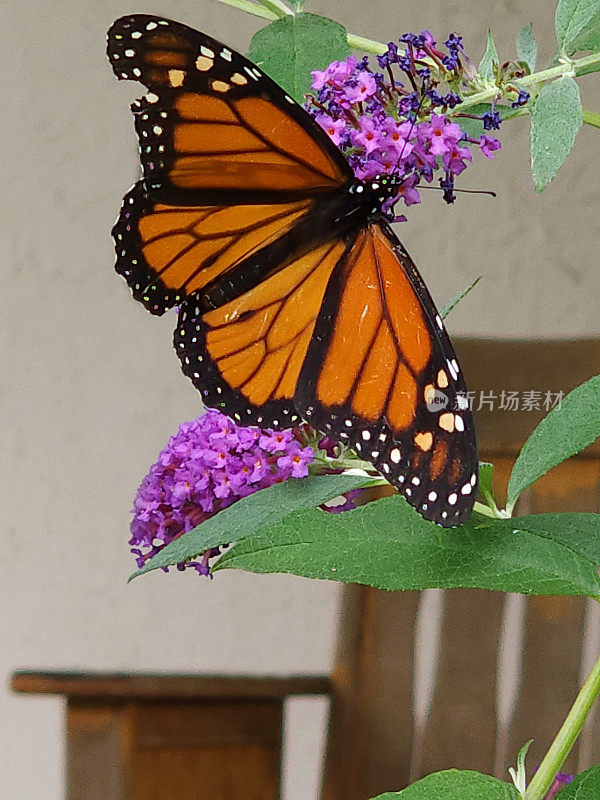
{"x":213,"y":123}
{"x":245,"y":357}
{"x":348,"y":338}
{"x":167,"y":253}
{"x":381,"y":375}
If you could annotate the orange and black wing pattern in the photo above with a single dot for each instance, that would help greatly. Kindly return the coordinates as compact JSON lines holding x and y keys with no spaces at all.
{"x":347,"y":337}
{"x":293,"y":302}
{"x":167,"y":253}
{"x":381,"y":375}
{"x":213,"y":127}
{"x":245,"y":357}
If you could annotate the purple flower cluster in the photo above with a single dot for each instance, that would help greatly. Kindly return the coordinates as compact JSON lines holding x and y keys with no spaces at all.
{"x":561,"y":780}
{"x":208,"y":465}
{"x":384,"y":125}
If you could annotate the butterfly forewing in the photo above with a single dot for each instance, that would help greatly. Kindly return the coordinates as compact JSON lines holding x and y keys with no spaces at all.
{"x":212,"y":123}
{"x":167,"y":253}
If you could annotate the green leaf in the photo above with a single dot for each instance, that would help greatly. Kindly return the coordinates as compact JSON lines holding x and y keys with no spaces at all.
{"x":289,"y":48}
{"x":579,"y":532}
{"x":583,"y":787}
{"x":527,"y":47}
{"x":485,"y":483}
{"x":451,"y":304}
{"x":258,"y":511}
{"x":577,"y":24}
{"x":488,"y":66}
{"x":566,"y":430}
{"x":388,"y":545}
{"x":556,"y":119}
{"x":474,"y":127}
{"x":589,"y":39}
{"x":454,"y":784}
{"x":519,"y":776}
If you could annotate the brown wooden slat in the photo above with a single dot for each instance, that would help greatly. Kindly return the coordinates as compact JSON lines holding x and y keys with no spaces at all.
{"x":98,"y":746}
{"x":492,"y":365}
{"x":550,"y":679}
{"x":462,"y":725}
{"x":207,"y":751}
{"x":212,"y":774}
{"x":130,"y":686}
{"x":370,"y":736}
{"x":164,"y":726}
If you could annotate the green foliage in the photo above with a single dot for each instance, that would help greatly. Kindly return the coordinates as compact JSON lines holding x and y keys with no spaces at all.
{"x":387,"y":544}
{"x":578,"y":531}
{"x":556,"y":119}
{"x":290,"y":47}
{"x":486,"y":478}
{"x":257,"y":512}
{"x":583,"y":787}
{"x":527,"y":47}
{"x":451,"y":304}
{"x":566,"y":430}
{"x":519,"y":775}
{"x":578,"y":25}
{"x":580,"y":71}
{"x":488,"y":66}
{"x":454,"y":784}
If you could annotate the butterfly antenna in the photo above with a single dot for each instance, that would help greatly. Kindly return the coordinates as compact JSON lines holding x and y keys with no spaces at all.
{"x":462,"y":191}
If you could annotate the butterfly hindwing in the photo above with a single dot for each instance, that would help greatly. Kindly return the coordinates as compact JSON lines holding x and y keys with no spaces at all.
{"x":381,"y":375}
{"x":213,"y":124}
{"x":245,"y":356}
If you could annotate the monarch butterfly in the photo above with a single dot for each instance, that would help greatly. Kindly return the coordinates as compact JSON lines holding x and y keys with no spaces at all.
{"x":296,"y":300}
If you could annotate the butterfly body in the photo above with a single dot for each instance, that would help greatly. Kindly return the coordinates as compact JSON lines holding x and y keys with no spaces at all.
{"x":296,"y":299}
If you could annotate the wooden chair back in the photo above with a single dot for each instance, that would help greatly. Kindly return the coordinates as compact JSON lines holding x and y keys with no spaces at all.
{"x":433,"y":680}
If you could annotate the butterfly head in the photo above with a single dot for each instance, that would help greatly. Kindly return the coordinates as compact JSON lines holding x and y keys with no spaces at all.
{"x":377,"y":191}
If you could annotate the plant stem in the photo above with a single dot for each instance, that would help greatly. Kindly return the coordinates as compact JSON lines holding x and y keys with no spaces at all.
{"x":569,"y":68}
{"x":481,"y":508}
{"x":367,"y":45}
{"x":250,"y":8}
{"x":277,"y":7}
{"x":591,"y":118}
{"x":565,"y":739}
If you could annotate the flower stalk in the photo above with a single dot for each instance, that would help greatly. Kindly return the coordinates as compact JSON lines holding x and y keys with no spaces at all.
{"x":566,"y":737}
{"x":591,"y":118}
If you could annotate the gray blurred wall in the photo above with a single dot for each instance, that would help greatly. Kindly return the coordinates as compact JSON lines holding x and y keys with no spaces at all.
{"x":91,"y":388}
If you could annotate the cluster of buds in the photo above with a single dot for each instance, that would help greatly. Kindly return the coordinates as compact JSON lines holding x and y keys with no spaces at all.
{"x":395,"y":119}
